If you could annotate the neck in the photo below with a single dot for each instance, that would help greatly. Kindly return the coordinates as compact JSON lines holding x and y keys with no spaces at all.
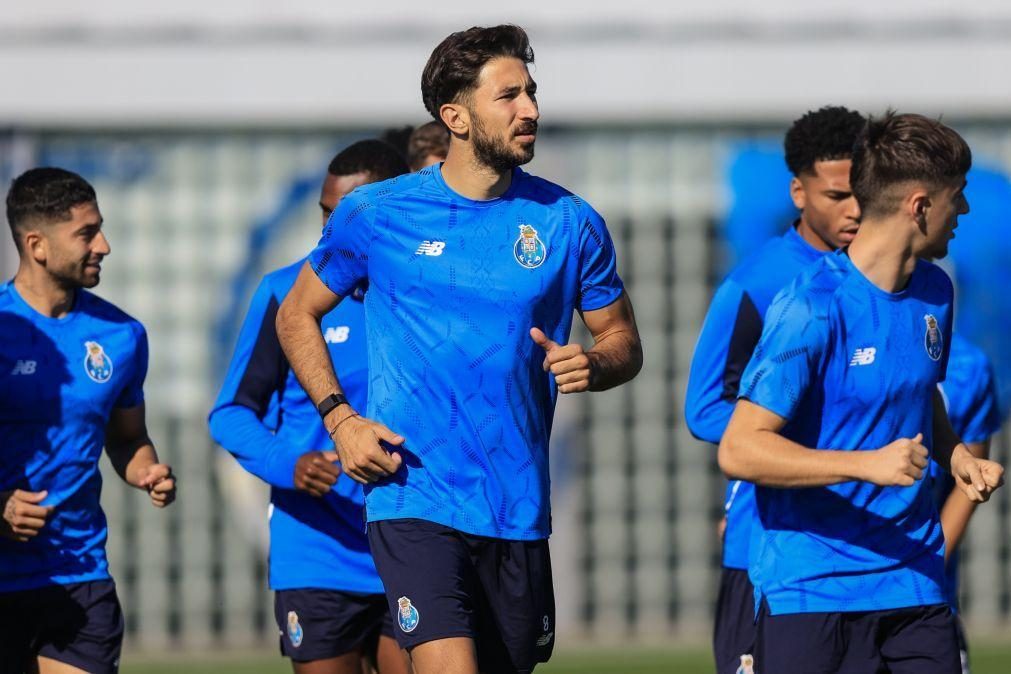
{"x":42,"y":292}
{"x":468,"y":177}
{"x":883,"y":254}
{"x":812,"y":238}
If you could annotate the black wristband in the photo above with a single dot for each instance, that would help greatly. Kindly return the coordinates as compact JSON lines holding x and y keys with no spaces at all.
{"x":330,"y":403}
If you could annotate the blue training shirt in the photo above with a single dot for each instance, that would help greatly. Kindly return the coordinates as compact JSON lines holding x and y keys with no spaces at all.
{"x":850,"y":367}
{"x":60,"y":379}
{"x":454,"y":287}
{"x":266,"y":420}
{"x":729,"y":334}
{"x":970,"y":395}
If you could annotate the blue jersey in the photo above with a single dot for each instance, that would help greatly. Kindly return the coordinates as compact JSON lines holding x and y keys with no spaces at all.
{"x":454,"y":287}
{"x":266,"y":420}
{"x":850,"y":367}
{"x":970,"y":395}
{"x":729,"y":334}
{"x":60,"y":379}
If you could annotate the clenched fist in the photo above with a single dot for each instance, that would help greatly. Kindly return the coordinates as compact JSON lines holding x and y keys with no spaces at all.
{"x":23,"y":517}
{"x":570,"y":364}
{"x":899,"y":463}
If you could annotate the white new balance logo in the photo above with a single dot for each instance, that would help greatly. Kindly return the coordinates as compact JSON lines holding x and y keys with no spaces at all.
{"x":863,"y":356}
{"x":430,"y":248}
{"x":24,"y":367}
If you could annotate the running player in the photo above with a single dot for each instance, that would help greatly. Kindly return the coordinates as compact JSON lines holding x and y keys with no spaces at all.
{"x":72,"y":370}
{"x":818,"y":149}
{"x":475,"y":269}
{"x":428,"y":144}
{"x":849,"y":564}
{"x":329,"y":601}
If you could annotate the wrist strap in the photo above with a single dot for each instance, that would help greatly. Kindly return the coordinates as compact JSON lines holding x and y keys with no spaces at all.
{"x":334,"y":430}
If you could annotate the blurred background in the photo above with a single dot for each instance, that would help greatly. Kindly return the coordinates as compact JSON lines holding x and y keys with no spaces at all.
{"x":206,"y":129}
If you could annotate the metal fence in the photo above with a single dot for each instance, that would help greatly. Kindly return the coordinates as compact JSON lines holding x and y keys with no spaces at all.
{"x":195,"y":218}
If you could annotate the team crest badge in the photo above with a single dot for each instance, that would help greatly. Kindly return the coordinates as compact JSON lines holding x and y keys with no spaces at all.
{"x":295,"y":632}
{"x":96,"y":363}
{"x":529,"y":250}
{"x":932,"y":340}
{"x":747,"y":664}
{"x":407,"y":615}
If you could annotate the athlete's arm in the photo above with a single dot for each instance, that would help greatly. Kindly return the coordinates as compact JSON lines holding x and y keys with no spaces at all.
{"x":753,"y":449}
{"x":23,"y":517}
{"x":614,"y":358}
{"x":357,"y":439}
{"x":132,"y":454}
{"x":957,"y":508}
{"x":977,"y":478}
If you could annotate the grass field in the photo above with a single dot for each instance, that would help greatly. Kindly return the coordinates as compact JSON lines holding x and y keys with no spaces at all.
{"x":987,"y":658}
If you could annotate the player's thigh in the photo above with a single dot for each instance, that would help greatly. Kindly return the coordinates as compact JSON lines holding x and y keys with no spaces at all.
{"x":734,"y":623}
{"x":517,"y":608}
{"x":84,"y":629}
{"x":922,"y":639}
{"x":452,"y":655}
{"x":49,"y":666}
{"x":349,"y":663}
{"x":326,"y":625}
{"x":813,"y":643}
{"x":429,"y":580}
{"x":390,"y":658}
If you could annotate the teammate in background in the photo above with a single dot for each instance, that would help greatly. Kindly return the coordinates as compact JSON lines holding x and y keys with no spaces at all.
{"x":970,"y":396}
{"x":475,"y":269}
{"x":818,"y":149}
{"x":849,"y":563}
{"x":329,"y":601}
{"x":72,"y":370}
{"x":428,"y":144}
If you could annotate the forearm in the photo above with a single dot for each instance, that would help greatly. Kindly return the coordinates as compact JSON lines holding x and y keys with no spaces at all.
{"x":767,"y":458}
{"x":132,"y":463}
{"x":945,"y":440}
{"x":615,"y":359}
{"x":299,"y":333}
{"x":254,"y":446}
{"x":958,"y":509}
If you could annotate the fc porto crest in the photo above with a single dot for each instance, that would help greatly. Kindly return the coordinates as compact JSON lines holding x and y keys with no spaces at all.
{"x":529,"y":250}
{"x":932,"y":340}
{"x":96,"y":363}
{"x":407,"y":615}
{"x":747,"y":664}
{"x":295,"y":632}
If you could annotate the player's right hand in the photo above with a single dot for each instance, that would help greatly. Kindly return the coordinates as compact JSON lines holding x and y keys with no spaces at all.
{"x":315,"y":472}
{"x":23,"y":517}
{"x":362,"y":456}
{"x":899,"y":463}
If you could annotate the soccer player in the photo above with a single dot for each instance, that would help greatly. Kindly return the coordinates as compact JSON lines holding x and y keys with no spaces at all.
{"x":329,"y":601}
{"x":818,"y":150}
{"x":475,"y":269}
{"x":838,"y":416}
{"x":970,"y":396}
{"x":72,"y":370}
{"x":428,"y":144}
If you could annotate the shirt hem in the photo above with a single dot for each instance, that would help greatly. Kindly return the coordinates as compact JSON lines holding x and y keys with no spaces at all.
{"x":791,"y":607}
{"x":508,"y":535}
{"x":35,"y":583}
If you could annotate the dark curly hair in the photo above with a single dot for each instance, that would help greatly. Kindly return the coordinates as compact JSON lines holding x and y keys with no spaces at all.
{"x":378,"y":158}
{"x":42,"y":196}
{"x":906,"y":148}
{"x":453,"y":67}
{"x":821,"y":135}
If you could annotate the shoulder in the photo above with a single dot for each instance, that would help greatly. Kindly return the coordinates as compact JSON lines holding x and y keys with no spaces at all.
{"x":758,"y":267}
{"x":280,"y":281}
{"x":401,"y":187}
{"x":967,"y":356}
{"x":935,"y":279}
{"x":97,"y":308}
{"x":6,"y":295}
{"x":554,"y":195}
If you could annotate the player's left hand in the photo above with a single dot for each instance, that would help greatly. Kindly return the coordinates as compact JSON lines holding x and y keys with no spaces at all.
{"x":160,"y":484}
{"x":570,"y":364}
{"x":977,"y":478}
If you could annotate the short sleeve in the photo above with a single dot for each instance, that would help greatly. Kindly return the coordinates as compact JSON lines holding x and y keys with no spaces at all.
{"x":599,"y":283}
{"x":790,"y":354}
{"x":133,"y":393}
{"x":341,"y":257}
{"x":981,"y":417}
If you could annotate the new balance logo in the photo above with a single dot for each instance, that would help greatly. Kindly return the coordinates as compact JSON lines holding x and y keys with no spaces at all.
{"x":24,"y":367}
{"x":863,"y":356}
{"x":430,"y":248}
{"x":337,"y":335}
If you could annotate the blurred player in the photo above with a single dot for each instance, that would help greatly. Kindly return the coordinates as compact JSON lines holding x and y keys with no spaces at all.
{"x":428,"y":144}
{"x":849,"y":564}
{"x":329,"y":601}
{"x":72,"y":370}
{"x":474,"y":268}
{"x":818,"y":149}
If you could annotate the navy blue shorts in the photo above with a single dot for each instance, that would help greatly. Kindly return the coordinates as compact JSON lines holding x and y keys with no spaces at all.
{"x":317,"y":624}
{"x":734,"y":629}
{"x":80,"y":624}
{"x":920,"y":640}
{"x":443,"y":583}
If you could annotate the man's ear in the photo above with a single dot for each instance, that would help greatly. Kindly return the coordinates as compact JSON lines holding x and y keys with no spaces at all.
{"x":456,"y":117}
{"x":35,"y":246}
{"x":798,"y":194}
{"x":917,"y":205}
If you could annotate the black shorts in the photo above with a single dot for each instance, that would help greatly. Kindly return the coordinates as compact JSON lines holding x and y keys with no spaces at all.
{"x":734,"y":628}
{"x":963,"y":645}
{"x":317,"y":624}
{"x":443,"y":583}
{"x":80,"y":624}
{"x":920,"y":640}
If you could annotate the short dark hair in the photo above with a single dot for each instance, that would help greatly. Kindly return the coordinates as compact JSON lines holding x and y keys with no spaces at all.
{"x":431,"y":138}
{"x":375,"y":157}
{"x":821,"y":135}
{"x":897,"y":149}
{"x":453,"y":68}
{"x":43,"y":196}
